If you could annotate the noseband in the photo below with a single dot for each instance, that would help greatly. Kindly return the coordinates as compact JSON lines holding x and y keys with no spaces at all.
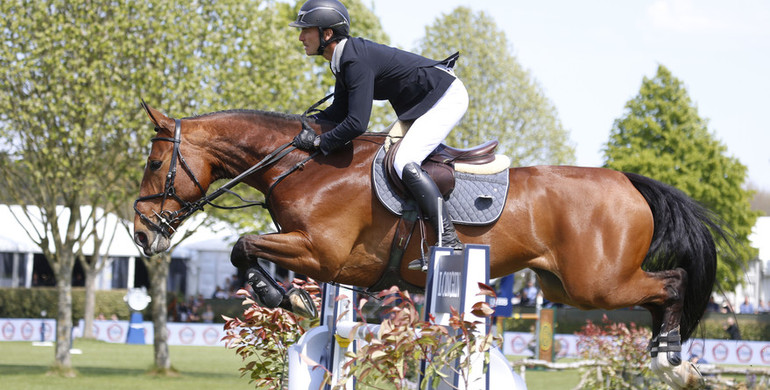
{"x":166,"y":218}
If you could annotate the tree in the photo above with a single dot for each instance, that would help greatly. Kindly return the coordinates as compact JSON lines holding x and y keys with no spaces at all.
{"x":71,"y":77}
{"x":662,"y":136}
{"x":504,"y":100}
{"x":68,"y":113}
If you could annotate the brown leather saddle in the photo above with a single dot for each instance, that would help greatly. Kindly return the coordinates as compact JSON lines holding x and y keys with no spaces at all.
{"x":440,"y":164}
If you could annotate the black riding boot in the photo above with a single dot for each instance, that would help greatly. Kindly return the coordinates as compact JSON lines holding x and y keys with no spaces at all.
{"x":426,"y":193}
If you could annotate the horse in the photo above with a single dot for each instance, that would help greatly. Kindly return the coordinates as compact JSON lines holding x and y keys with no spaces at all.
{"x":595,"y":238}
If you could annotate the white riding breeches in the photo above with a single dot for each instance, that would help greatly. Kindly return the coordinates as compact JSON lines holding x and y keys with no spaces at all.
{"x":429,"y":130}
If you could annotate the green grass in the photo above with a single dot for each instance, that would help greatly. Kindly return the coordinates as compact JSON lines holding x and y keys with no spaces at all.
{"x":551,"y":379}
{"x":118,"y":367}
{"x":126,"y":367}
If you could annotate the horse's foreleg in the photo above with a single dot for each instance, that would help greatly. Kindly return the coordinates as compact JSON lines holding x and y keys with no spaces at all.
{"x":246,"y":255}
{"x":291,"y":250}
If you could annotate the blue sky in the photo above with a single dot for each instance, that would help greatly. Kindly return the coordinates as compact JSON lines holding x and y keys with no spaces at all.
{"x":589,"y":57}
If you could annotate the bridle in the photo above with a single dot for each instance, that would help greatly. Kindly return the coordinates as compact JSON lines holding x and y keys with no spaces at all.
{"x":166,"y":218}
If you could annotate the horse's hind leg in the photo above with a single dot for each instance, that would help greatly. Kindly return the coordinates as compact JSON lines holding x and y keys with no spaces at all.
{"x":666,"y":343}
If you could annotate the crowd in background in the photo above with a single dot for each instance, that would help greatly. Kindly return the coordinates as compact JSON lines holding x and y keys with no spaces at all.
{"x":195,"y":308}
{"x":747,"y":307}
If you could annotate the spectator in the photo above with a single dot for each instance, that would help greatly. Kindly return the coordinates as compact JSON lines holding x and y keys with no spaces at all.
{"x":712,"y":305}
{"x":732,"y":329}
{"x":746,"y":307}
{"x":208,"y":315}
{"x":529,"y":294}
{"x":726,"y":307}
{"x":762,"y":307}
{"x":220,"y":293}
{"x":173,"y":310}
{"x":192,"y":310}
{"x":183,"y":311}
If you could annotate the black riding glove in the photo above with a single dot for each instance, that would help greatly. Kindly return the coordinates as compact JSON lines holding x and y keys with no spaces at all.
{"x":307,"y":140}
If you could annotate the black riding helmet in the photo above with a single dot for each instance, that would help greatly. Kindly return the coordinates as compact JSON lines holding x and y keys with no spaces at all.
{"x":324,"y":14}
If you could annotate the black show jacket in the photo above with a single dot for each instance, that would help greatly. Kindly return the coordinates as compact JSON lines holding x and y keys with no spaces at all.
{"x":371,"y":71}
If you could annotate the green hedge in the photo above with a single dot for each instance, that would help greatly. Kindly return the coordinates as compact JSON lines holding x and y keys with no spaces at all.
{"x":30,"y":302}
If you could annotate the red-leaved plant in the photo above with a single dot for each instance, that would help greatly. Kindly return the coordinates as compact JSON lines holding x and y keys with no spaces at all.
{"x":621,"y":355}
{"x":263,"y":338}
{"x":392,"y":357}
{"x":387,"y":359}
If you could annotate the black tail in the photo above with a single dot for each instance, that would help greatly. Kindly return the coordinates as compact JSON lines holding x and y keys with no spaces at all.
{"x":682,"y":239}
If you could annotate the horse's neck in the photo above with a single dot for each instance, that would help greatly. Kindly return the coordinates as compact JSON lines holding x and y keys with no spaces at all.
{"x":238,"y":144}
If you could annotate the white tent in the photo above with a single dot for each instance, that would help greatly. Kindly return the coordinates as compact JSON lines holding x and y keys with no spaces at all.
{"x":207,"y":250}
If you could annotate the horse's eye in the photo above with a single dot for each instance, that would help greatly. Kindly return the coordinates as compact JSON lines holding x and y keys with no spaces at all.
{"x":155,"y":164}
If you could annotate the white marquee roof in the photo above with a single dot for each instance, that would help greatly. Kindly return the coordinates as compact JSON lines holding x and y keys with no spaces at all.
{"x":14,"y":225}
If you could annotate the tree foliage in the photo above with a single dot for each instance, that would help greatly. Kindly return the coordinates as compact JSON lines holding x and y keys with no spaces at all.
{"x":662,"y":136}
{"x":267,"y":69}
{"x":505,"y":102}
{"x":71,"y":77}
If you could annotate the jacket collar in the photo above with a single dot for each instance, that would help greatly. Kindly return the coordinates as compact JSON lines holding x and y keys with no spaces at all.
{"x":335,"y":62}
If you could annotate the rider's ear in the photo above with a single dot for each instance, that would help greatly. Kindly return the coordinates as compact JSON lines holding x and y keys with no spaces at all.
{"x":160,"y":120}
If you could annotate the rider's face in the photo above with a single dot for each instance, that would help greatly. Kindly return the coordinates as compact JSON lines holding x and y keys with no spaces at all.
{"x":310,"y":39}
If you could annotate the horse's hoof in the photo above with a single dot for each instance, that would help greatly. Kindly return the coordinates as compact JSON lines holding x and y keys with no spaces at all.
{"x":302,"y":303}
{"x":268,"y":294}
{"x":682,"y":376}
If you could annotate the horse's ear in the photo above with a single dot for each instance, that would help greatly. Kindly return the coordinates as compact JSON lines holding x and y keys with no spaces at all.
{"x":160,"y":120}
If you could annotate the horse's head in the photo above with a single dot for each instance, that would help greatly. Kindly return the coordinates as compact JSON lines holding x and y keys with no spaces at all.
{"x":175,"y":178}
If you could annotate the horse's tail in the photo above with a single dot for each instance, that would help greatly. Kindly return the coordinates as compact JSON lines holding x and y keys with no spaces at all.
{"x":682,"y":238}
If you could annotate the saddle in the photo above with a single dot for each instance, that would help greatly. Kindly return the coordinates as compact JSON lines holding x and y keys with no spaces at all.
{"x":440,"y":164}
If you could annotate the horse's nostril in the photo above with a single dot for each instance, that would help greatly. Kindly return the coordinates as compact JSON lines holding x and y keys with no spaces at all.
{"x":140,"y":238}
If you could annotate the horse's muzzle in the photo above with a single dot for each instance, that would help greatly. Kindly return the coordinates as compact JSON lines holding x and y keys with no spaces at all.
{"x":150,"y":243}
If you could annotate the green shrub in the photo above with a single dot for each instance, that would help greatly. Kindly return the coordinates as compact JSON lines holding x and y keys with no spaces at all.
{"x":31,"y":302}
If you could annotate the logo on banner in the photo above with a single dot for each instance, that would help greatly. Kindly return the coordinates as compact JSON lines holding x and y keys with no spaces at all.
{"x":697,"y":348}
{"x":449,"y":286}
{"x":744,"y":353}
{"x":186,"y":335}
{"x":518,"y":345}
{"x":115,"y":332}
{"x":8,"y":330}
{"x":27,"y":330}
{"x":720,"y":352}
{"x":764,"y":354}
{"x":210,"y":336}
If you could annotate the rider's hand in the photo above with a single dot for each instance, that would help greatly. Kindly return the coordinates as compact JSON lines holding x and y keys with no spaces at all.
{"x":307,"y":140}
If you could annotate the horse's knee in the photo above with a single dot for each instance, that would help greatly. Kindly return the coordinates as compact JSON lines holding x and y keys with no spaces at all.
{"x":239,"y":256}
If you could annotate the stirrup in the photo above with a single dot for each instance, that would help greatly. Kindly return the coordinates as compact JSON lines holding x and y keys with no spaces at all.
{"x":418,"y":265}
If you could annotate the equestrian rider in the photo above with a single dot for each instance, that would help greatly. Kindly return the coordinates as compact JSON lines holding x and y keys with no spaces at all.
{"x":419,"y":89}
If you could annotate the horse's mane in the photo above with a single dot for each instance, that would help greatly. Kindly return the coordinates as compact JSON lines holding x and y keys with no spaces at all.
{"x":271,"y":114}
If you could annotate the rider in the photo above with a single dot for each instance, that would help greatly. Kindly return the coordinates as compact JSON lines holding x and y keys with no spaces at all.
{"x":419,"y":89}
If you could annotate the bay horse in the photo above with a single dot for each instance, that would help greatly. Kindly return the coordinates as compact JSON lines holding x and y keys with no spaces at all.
{"x":595,"y":238}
